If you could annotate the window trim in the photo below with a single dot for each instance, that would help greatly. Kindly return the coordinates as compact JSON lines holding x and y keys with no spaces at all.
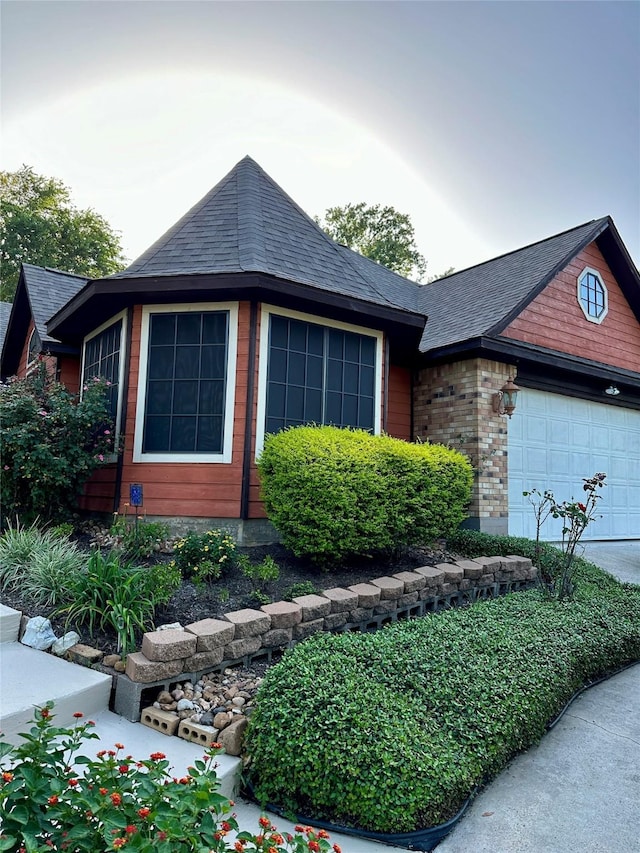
{"x":263,"y":363}
{"x":598,"y":276}
{"x":230,"y":395}
{"x":31,"y":362}
{"x":120,"y":317}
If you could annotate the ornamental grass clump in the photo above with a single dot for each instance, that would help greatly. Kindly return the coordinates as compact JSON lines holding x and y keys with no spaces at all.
{"x":392,"y":731}
{"x":54,"y":797}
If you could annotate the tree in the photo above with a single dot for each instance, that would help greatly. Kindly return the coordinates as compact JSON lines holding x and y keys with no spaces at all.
{"x":39,"y":224}
{"x":382,"y":234}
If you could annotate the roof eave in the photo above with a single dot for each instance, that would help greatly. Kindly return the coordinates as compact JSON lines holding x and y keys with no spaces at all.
{"x":103,"y":298}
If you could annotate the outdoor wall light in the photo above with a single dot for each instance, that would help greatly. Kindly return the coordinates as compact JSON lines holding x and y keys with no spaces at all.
{"x":504,"y":400}
{"x":612,"y":390}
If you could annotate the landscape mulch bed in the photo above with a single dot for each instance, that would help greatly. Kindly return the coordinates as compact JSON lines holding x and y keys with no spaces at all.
{"x":234,"y":591}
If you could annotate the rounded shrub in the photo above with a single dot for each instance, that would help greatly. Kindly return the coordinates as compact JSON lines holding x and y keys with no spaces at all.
{"x":333,"y":493}
{"x":392,"y":731}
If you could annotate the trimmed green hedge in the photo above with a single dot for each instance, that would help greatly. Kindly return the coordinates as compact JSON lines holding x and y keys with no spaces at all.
{"x":391,"y":731}
{"x":333,"y":493}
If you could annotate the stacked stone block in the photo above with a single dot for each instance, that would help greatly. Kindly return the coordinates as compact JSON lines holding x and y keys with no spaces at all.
{"x":241,"y":636}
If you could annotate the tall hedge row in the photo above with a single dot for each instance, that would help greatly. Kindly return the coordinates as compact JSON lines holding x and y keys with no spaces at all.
{"x":333,"y":493}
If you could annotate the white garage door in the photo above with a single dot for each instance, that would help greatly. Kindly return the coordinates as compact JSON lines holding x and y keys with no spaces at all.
{"x":555,"y":442}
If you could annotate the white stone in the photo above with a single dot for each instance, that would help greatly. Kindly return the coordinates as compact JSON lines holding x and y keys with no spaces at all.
{"x":69,"y":639}
{"x":39,"y":634}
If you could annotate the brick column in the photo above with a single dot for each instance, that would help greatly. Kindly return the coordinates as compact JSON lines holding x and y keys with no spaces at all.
{"x":453,"y":405}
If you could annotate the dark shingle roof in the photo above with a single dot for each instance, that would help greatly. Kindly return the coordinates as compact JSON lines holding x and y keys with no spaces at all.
{"x":48,"y":291}
{"x":247,"y":223}
{"x":5,"y":310}
{"x":482,"y":300}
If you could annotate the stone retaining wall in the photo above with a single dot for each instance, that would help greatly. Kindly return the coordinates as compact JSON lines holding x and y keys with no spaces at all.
{"x":244,"y":636}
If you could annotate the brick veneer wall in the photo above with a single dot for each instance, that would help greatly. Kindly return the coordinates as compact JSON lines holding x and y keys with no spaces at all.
{"x":179,"y":654}
{"x":453,"y":405}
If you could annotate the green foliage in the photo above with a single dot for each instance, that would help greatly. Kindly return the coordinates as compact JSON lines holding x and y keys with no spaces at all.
{"x":138,"y":540}
{"x":382,"y":234}
{"x":63,"y":530}
{"x":42,"y":563}
{"x":261,"y":576}
{"x":391,"y":731}
{"x":205,"y":556}
{"x":55,"y":797}
{"x":109,"y":594}
{"x":333,"y":493}
{"x":40,"y":225}
{"x":298,"y":589}
{"x":473,"y":543}
{"x":51,"y":444}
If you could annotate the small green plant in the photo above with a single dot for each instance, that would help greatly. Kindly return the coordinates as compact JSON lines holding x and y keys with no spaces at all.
{"x":160,"y":581}
{"x":42,"y":563}
{"x":261,"y":575}
{"x":111,"y":594}
{"x":138,"y":539}
{"x":55,"y":797}
{"x":51,"y":444}
{"x":223,"y":595}
{"x":298,"y":589}
{"x":63,"y":530}
{"x":205,"y":556}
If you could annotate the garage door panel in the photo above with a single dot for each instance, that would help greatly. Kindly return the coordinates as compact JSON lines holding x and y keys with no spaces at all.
{"x":555,"y":442}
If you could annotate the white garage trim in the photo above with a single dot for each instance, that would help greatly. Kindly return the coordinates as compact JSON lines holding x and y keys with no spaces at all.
{"x":555,"y":442}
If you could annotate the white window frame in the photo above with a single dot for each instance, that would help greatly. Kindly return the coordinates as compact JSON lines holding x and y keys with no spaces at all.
{"x":596,"y":320}
{"x":267,"y":311}
{"x":232,"y":354}
{"x":122,"y":317}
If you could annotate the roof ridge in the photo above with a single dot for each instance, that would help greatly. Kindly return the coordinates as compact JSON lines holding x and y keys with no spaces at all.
{"x":55,"y":270}
{"x":492,"y":260}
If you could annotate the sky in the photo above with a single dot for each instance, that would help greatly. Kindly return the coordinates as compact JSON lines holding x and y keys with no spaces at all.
{"x":492,"y":124}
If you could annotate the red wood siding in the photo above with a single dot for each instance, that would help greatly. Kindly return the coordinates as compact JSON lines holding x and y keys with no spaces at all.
{"x":21,"y":372}
{"x":555,"y":320}
{"x":204,"y":490}
{"x":69,"y":372}
{"x":399,"y":403}
{"x":99,"y":490}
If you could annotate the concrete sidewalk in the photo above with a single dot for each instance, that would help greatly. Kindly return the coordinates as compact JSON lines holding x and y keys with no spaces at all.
{"x":578,"y":791}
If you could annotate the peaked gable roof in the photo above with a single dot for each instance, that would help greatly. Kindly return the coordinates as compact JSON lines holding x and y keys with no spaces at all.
{"x":247,"y":223}
{"x":482,"y":300}
{"x":5,"y":311}
{"x":40,"y":293}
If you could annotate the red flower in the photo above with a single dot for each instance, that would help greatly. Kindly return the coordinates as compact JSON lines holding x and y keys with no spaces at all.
{"x":322,"y":833}
{"x":101,"y":753}
{"x":52,"y":800}
{"x":157,"y":756}
{"x":185,"y":780}
{"x":131,"y":829}
{"x":44,"y":713}
{"x":239,"y":846}
{"x":313,"y":846}
{"x":264,"y":822}
{"x":337,"y":848}
{"x":119,"y":745}
{"x":78,"y":715}
{"x":225,"y":825}
{"x":73,"y":783}
{"x":162,"y":836}
{"x":103,"y":791}
{"x":7,"y":777}
{"x":116,"y":798}
{"x":145,"y":812}
{"x":582,"y":507}
{"x":118,"y":843}
{"x":124,"y":768}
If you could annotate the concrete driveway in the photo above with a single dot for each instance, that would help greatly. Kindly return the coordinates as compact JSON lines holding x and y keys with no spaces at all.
{"x":621,"y":559}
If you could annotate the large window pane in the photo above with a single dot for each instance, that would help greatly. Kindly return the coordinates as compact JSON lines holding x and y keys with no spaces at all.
{"x":102,"y":358}
{"x":186,"y":382}
{"x":317,"y":374}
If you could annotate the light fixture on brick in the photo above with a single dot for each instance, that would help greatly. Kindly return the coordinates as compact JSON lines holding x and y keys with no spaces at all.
{"x":504,"y":400}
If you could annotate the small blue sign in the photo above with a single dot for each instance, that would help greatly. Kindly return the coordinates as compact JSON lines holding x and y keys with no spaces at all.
{"x":135,"y":494}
